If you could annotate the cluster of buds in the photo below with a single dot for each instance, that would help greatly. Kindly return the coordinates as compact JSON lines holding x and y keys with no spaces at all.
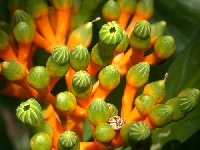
{"x":124,"y":48}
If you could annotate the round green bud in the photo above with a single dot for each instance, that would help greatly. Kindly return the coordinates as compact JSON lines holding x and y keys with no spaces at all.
{"x":62,"y":4}
{"x":142,"y":29}
{"x":12,"y":70}
{"x":98,"y":112}
{"x":22,"y":16}
{"x":55,"y":69}
{"x":41,"y":141}
{"x":29,"y":113}
{"x":36,"y":8}
{"x":113,"y":110}
{"x":43,"y":126}
{"x":139,"y":44}
{"x":68,"y":141}
{"x":111,"y":11}
{"x":144,"y":103}
{"x":178,"y":112}
{"x":145,"y":8}
{"x":124,"y":132}
{"x":38,"y":77}
{"x":138,"y":131}
{"x":23,"y":33}
{"x":138,"y":74}
{"x":123,"y":45}
{"x":161,"y":115}
{"x":81,"y":84}
{"x":111,"y":33}
{"x":187,"y":103}
{"x":65,"y":101}
{"x":3,"y":40}
{"x":104,"y":133}
{"x":127,"y":6}
{"x":79,"y":58}
{"x":157,"y":29}
{"x":61,"y":55}
{"x":164,"y":47}
{"x":109,"y":77}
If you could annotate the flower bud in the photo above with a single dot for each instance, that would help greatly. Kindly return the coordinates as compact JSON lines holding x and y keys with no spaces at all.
{"x":113,"y":110}
{"x":123,"y":45}
{"x":127,"y":6}
{"x":12,"y":70}
{"x":98,"y":112}
{"x":144,"y":103}
{"x":138,"y":74}
{"x":41,"y":141}
{"x":109,"y":77}
{"x":157,"y":29}
{"x":62,"y":4}
{"x":68,"y":140}
{"x":104,"y":133}
{"x":38,"y":78}
{"x":79,"y":58}
{"x":23,"y":33}
{"x":81,"y":84}
{"x":65,"y":101}
{"x":3,"y":40}
{"x":161,"y":115}
{"x":145,"y":8}
{"x":164,"y":47}
{"x":111,"y":11}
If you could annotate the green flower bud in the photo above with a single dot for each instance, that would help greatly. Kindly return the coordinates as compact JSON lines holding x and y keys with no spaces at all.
{"x":81,"y":84}
{"x":68,"y":141}
{"x":164,"y":47}
{"x":12,"y":70}
{"x":41,"y":141}
{"x":123,"y":45}
{"x":61,"y":55}
{"x":138,"y":74}
{"x":139,"y":44}
{"x":124,"y":132}
{"x":144,"y":103}
{"x":29,"y":113}
{"x":36,"y":8}
{"x":104,"y":133}
{"x":55,"y":69}
{"x":113,"y":110}
{"x":161,"y":115}
{"x":145,"y":8}
{"x":65,"y":101}
{"x":127,"y":6}
{"x":110,"y":11}
{"x":109,"y":77}
{"x":138,"y":131}
{"x":157,"y":29}
{"x":98,"y":112}
{"x":79,"y":58}
{"x":23,"y":33}
{"x":22,"y":16}
{"x":62,"y":4}
{"x":142,"y":29}
{"x":3,"y":40}
{"x":178,"y":112}
{"x":38,"y":78}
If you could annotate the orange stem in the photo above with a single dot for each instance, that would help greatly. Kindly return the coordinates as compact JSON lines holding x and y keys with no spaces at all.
{"x":123,"y":19}
{"x":152,"y":59}
{"x":23,"y":53}
{"x":101,"y":92}
{"x":8,"y":54}
{"x":69,"y":77}
{"x":93,"y":68}
{"x":88,"y":146}
{"x":137,"y":56}
{"x":78,"y":111}
{"x":53,"y":82}
{"x":134,"y":115}
{"x":148,"y":122}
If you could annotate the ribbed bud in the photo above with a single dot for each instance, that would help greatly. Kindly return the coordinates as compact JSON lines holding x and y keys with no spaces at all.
{"x":113,"y":110}
{"x":111,"y":11}
{"x":123,"y":45}
{"x":104,"y":133}
{"x":29,"y":113}
{"x":79,"y":58}
{"x":187,"y":103}
{"x":109,"y":77}
{"x":144,"y":103}
{"x":145,"y":8}
{"x":62,"y":4}
{"x":61,"y":55}
{"x":65,"y":101}
{"x":55,"y":69}
{"x":38,"y":77}
{"x":3,"y":40}
{"x":23,"y":33}
{"x":127,"y":6}
{"x":41,"y":141}
{"x":138,"y":74}
{"x":22,"y":16}
{"x":68,"y":141}
{"x":12,"y":70}
{"x":98,"y":112}
{"x":142,"y":29}
{"x":164,"y":47}
{"x":36,"y":7}
{"x":161,"y":115}
{"x":157,"y":29}
{"x":81,"y":84}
